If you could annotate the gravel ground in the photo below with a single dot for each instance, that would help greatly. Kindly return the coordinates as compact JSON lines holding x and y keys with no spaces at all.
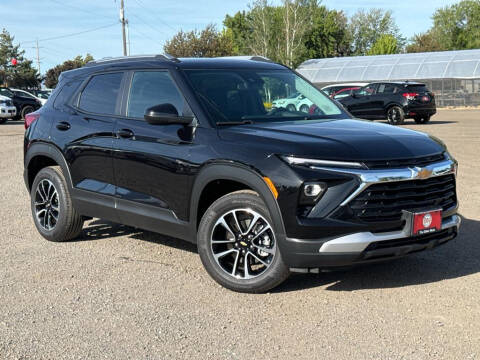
{"x":121,"y":293}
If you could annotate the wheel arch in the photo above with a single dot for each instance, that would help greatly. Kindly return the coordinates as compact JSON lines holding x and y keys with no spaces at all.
{"x":238,"y":174}
{"x":41,"y":155}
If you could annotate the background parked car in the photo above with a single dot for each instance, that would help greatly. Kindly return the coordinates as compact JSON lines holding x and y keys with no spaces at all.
{"x":295,"y":102}
{"x":24,"y":105}
{"x":393,"y":101}
{"x":330,"y":90}
{"x":7,"y":109}
{"x":42,"y":94}
{"x":28,"y":94}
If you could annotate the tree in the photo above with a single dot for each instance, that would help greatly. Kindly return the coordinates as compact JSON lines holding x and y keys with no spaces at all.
{"x":328,"y":36}
{"x":52,"y":75}
{"x":458,"y":26}
{"x":385,"y":44}
{"x":238,"y":29}
{"x":21,"y":75}
{"x":206,"y":43}
{"x":425,"y":42}
{"x":366,"y":27}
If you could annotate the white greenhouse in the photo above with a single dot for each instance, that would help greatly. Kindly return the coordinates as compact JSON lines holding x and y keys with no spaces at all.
{"x":454,"y":76}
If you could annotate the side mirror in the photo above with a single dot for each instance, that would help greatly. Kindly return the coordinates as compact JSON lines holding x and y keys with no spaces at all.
{"x":353,"y":94}
{"x":164,"y":114}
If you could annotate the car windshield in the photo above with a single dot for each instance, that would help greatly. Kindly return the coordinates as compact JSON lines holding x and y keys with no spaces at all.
{"x":242,"y":96}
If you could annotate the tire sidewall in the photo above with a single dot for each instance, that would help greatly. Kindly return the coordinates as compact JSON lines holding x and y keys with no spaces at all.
{"x":58,"y":232}
{"x":267,"y":280}
{"x":401,"y":113}
{"x":24,"y":111}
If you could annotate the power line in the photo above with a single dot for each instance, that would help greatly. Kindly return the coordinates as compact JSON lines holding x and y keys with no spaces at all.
{"x":80,"y":9}
{"x":149,"y":11}
{"x":72,"y":34}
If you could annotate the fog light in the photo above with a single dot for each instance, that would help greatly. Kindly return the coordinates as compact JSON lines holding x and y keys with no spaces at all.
{"x":314,"y":189}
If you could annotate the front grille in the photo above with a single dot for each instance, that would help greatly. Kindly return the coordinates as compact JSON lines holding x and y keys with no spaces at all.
{"x":384,"y":202}
{"x":402,"y":163}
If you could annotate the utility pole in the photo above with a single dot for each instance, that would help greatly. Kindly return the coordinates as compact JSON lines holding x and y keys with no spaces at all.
{"x":123,"y":21}
{"x":38,"y":57}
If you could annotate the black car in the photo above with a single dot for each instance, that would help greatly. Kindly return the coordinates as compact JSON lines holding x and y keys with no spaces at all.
{"x":24,"y":105}
{"x":392,"y":101}
{"x":187,"y":148}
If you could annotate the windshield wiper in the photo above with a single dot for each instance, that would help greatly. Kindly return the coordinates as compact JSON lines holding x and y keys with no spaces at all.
{"x":223,"y":123}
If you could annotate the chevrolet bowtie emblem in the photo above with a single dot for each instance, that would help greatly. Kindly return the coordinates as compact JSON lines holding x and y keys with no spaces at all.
{"x":423,"y":173}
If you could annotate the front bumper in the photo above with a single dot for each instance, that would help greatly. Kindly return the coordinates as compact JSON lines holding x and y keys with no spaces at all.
{"x":364,"y":247}
{"x":8,"y":111}
{"x":368,"y":243}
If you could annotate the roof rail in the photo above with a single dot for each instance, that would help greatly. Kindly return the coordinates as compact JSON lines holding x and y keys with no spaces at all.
{"x":134,"y":57}
{"x":248,"y":57}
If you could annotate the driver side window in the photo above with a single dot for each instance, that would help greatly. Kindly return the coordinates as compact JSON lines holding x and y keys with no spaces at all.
{"x":150,"y":88}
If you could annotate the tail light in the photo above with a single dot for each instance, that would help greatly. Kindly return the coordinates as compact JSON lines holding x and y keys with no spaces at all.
{"x":410,"y":96}
{"x":30,"y":118}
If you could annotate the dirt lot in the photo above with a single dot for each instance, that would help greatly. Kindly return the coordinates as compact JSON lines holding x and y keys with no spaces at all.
{"x":122,"y":293}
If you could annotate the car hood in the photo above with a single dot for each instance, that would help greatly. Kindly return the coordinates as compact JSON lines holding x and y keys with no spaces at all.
{"x":347,"y":139}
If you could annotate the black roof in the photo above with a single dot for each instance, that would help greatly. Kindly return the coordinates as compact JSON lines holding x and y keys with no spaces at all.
{"x":405,"y":83}
{"x":164,"y":61}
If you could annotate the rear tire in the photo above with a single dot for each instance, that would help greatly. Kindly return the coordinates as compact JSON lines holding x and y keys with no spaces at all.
{"x":26,"y":110}
{"x":422,"y":120}
{"x":304,"y":108}
{"x":291,"y":108}
{"x":238,"y":245}
{"x":395,"y":115}
{"x":52,"y":209}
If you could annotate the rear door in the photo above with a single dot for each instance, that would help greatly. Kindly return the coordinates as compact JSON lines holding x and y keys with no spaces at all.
{"x":387,"y":94}
{"x":84,"y":132}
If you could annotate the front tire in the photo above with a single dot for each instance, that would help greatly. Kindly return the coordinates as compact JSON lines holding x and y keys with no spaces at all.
{"x":238,"y":246}
{"x":395,"y":115}
{"x":52,"y":209}
{"x":3,"y":120}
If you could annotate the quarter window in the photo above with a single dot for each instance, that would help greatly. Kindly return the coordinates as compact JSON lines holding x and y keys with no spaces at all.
{"x":101,"y":94}
{"x":150,"y":88}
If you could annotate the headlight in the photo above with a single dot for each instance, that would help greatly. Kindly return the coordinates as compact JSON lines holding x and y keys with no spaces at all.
{"x":292,"y":160}
{"x":3,"y":102}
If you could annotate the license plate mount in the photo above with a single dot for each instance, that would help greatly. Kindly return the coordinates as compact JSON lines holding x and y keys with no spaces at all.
{"x":426,"y":222}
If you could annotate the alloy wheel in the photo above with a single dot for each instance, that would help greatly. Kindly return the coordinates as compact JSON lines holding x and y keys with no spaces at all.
{"x":243,"y":243}
{"x":47,"y":208}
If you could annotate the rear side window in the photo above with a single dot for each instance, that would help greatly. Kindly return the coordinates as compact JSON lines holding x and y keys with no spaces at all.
{"x":386,"y":89}
{"x":150,"y":88}
{"x":101,"y":94}
{"x":65,"y":93}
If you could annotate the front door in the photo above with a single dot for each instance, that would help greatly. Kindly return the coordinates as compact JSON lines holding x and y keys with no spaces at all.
{"x":151,"y":162}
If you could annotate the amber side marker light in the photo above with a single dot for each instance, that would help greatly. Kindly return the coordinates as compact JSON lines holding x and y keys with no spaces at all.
{"x":271,"y":186}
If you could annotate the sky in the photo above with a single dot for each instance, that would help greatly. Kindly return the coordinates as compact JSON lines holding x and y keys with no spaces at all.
{"x":151,"y":22}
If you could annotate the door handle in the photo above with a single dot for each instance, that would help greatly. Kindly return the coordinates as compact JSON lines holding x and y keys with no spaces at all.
{"x":63,"y":126}
{"x":125,"y":133}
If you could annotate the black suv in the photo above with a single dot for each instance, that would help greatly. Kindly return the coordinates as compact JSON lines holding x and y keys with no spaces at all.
{"x":190,"y":149}
{"x":24,"y":105}
{"x":392,"y":101}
